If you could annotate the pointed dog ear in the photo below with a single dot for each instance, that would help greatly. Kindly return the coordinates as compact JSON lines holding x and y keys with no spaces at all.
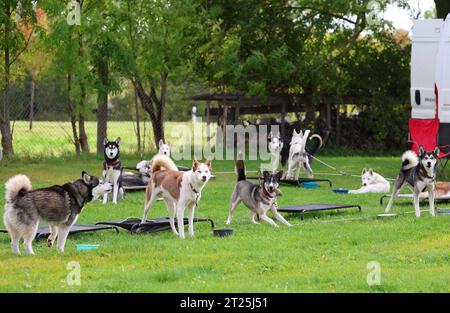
{"x":266,"y":173}
{"x":208,"y":162}
{"x":279,"y":175}
{"x":86,"y":177}
{"x":370,"y":171}
{"x":118,"y":140}
{"x":105,"y":141}
{"x":295,"y":134}
{"x":195,"y":165}
{"x":436,"y":151}
{"x":421,"y":151}
{"x":364,"y":171}
{"x":160,"y":143}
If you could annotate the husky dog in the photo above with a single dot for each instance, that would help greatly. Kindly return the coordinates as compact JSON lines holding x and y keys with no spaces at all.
{"x":137,"y":179}
{"x":180,"y":190}
{"x":372,"y":182}
{"x":275,"y":148}
{"x":164,"y":148}
{"x":418,"y":171}
{"x":299,"y":156}
{"x":112,"y":168}
{"x":58,"y":205}
{"x":258,"y":198}
{"x":144,"y":169}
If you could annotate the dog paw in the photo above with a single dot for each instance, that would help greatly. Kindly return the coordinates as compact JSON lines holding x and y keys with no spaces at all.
{"x":49,"y":243}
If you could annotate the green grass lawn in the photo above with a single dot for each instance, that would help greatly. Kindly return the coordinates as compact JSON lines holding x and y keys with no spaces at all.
{"x":327,"y":252}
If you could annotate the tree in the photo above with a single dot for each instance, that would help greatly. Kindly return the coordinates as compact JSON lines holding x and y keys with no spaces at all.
{"x":65,"y":43}
{"x":15,"y":15}
{"x":442,"y":8}
{"x":156,"y":43}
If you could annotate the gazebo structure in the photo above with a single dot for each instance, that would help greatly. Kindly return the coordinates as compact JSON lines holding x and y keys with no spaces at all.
{"x":227,"y":107}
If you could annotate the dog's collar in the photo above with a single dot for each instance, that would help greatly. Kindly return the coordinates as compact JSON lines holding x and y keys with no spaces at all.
{"x":424,"y":172}
{"x":112,"y":162}
{"x":266,"y":193}
{"x":197,"y":194}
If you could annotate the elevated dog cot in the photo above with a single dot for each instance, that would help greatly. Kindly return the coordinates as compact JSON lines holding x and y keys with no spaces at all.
{"x":411,"y":196}
{"x":302,"y":209}
{"x":151,"y":225}
{"x":297,"y":182}
{"x":44,"y":232}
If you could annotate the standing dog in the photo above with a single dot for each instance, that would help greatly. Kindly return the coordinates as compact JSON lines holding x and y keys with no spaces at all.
{"x":180,"y":190}
{"x":112,"y":168}
{"x":298,"y":155}
{"x":419,"y":172}
{"x":372,"y":182}
{"x":163,"y":148}
{"x":275,"y":148}
{"x":58,"y":205}
{"x":258,"y":198}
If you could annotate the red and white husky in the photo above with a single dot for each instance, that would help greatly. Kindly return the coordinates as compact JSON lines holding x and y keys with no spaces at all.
{"x":180,"y":190}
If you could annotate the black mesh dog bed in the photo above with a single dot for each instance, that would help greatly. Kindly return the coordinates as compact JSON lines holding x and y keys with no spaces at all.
{"x":297,"y":182}
{"x":316,"y":207}
{"x":151,"y":225}
{"x":44,"y":232}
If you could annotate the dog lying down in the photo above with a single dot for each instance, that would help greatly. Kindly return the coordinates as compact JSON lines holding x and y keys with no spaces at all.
{"x":372,"y":182}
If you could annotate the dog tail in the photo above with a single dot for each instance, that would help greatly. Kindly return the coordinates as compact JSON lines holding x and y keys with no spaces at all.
{"x":318,"y":144}
{"x":240,"y":167}
{"x":15,"y":186}
{"x":409,"y":160}
{"x":162,"y":162}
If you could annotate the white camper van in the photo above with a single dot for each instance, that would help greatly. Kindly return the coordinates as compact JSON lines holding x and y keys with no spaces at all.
{"x":430,"y":73}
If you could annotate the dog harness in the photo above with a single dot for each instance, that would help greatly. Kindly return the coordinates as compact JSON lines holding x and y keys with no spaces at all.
{"x":114,"y":164}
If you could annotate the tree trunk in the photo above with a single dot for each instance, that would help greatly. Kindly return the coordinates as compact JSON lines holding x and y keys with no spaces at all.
{"x":102,"y":102}
{"x":32,"y":90}
{"x":442,"y":8}
{"x":5,"y":127}
{"x":154,"y":106}
{"x":82,"y":130}
{"x":138,"y":126}
{"x":73,"y":119}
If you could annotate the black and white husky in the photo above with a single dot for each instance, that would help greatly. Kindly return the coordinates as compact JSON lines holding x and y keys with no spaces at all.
{"x":112,"y":168}
{"x":59,"y":206}
{"x":418,"y":171}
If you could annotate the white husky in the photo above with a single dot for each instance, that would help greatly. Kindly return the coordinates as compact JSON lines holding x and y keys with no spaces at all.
{"x":299,"y":157}
{"x":372,"y":182}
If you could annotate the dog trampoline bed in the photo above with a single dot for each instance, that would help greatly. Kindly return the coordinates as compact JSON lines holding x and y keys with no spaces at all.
{"x":315,"y":208}
{"x":151,"y":225}
{"x":411,"y":196}
{"x":297,"y":182}
{"x":44,"y":232}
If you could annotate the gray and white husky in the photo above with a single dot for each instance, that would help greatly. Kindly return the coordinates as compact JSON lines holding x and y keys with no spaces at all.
{"x":60,"y":206}
{"x":419,"y":172}
{"x":258,"y":198}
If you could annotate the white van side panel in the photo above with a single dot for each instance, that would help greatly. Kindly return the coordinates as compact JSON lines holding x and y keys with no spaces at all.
{"x":426,"y":38}
{"x":443,"y":73}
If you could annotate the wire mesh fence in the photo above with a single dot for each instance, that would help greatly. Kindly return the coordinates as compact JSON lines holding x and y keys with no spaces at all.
{"x":45,"y":122}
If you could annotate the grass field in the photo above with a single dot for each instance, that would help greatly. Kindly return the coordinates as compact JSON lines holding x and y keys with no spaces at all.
{"x":327,"y":252}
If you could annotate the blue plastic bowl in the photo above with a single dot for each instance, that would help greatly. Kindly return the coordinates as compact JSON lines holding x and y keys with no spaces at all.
{"x":310,"y":185}
{"x":340,"y":190}
{"x":87,"y":247}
